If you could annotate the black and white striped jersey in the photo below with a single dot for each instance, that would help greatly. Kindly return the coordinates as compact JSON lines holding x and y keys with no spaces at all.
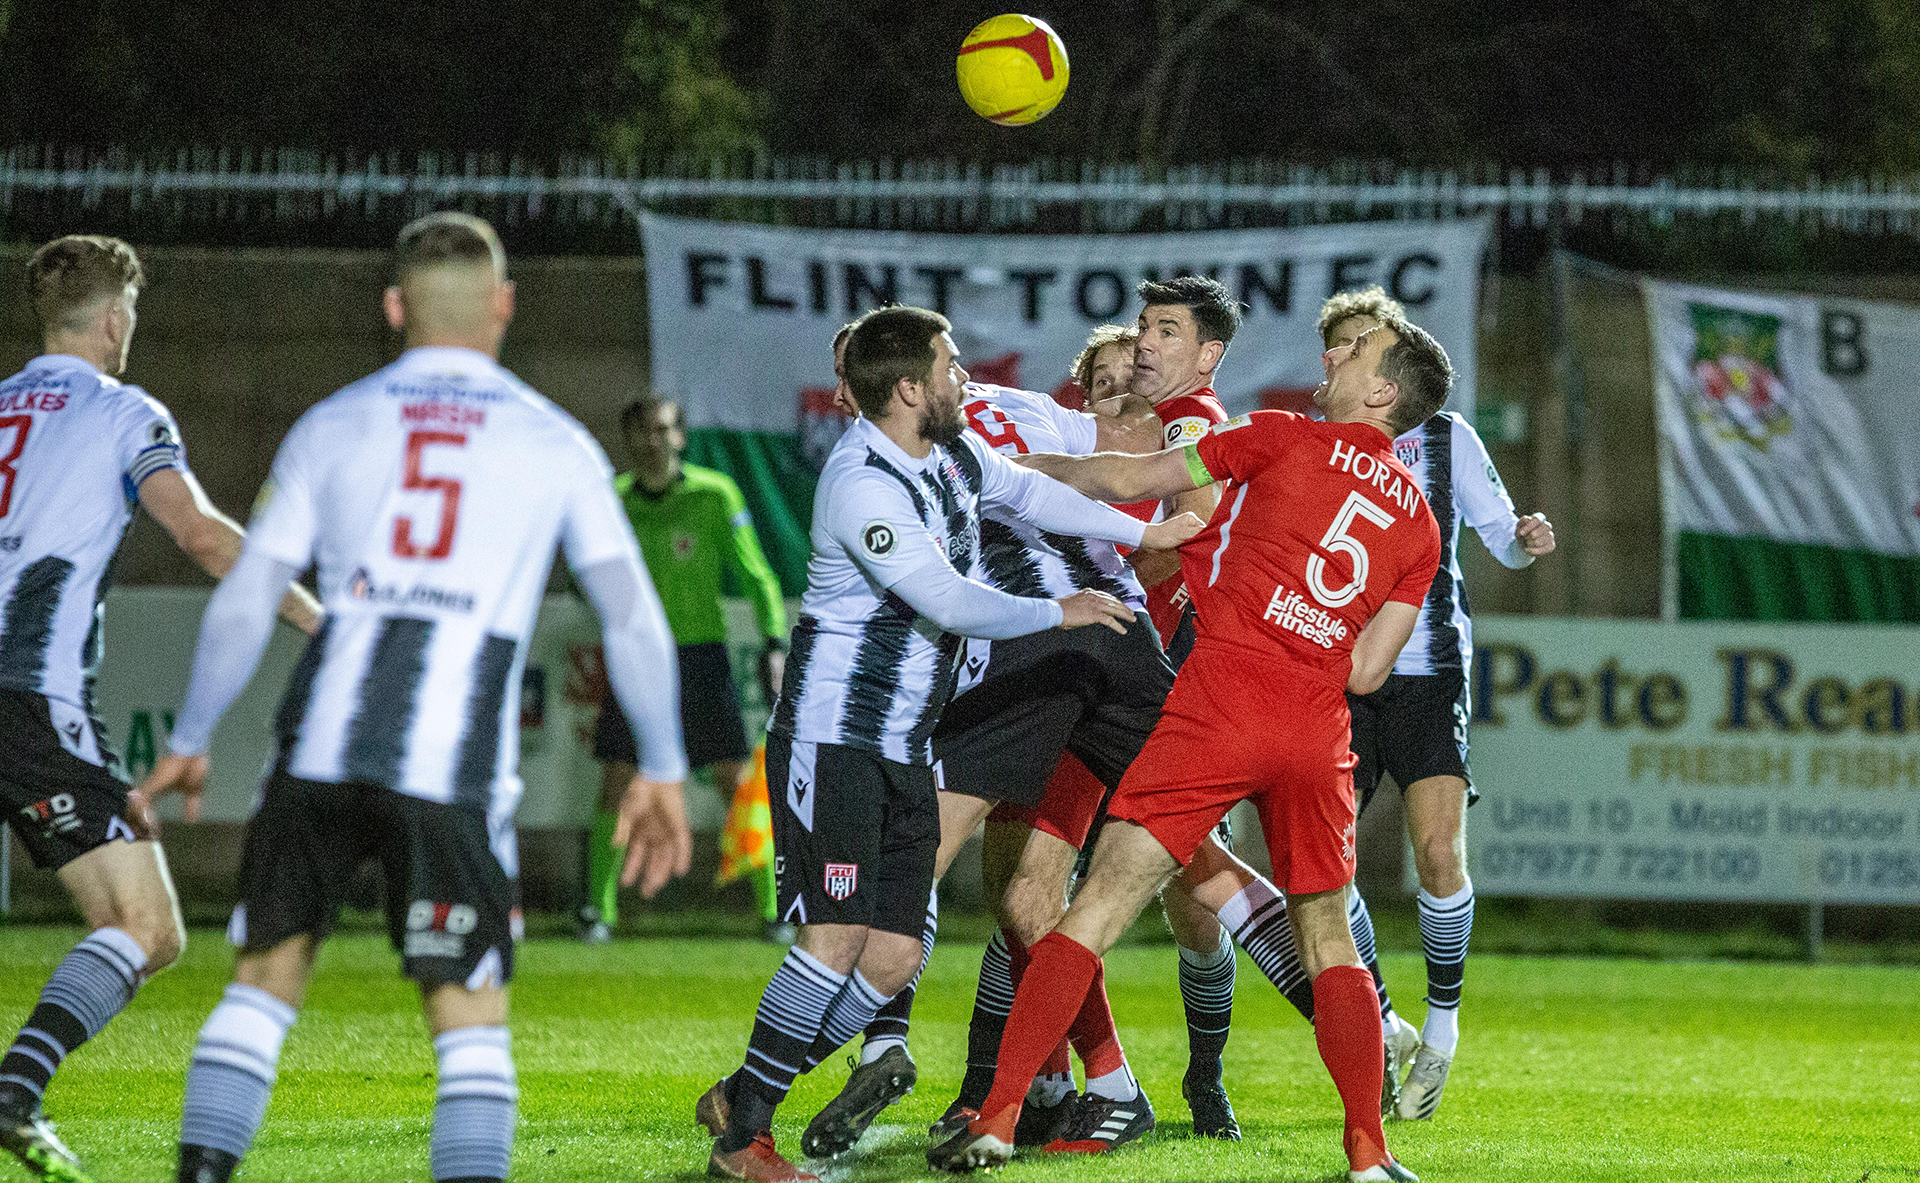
{"x":866,"y":670}
{"x":1016,"y":556}
{"x":75,"y":445}
{"x":1451,"y":464}
{"x":430,"y":497}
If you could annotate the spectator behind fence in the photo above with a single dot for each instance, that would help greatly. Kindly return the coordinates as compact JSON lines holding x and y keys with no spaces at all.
{"x":697,"y":538}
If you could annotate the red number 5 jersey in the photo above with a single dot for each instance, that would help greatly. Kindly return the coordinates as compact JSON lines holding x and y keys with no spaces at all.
{"x":1318,"y":526}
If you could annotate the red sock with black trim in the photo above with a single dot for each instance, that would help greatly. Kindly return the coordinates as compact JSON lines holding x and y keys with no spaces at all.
{"x":1346,"y":1025}
{"x":1051,"y":995}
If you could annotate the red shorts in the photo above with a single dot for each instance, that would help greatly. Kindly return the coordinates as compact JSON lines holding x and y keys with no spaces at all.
{"x":1234,"y":732}
{"x":1066,"y":809}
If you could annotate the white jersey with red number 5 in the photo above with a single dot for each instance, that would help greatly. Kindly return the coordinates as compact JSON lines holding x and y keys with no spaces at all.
{"x":1019,"y":558}
{"x":430,"y":496}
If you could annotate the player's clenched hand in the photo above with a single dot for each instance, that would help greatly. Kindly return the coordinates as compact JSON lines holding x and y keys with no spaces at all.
{"x":1535,"y":534}
{"x":1093,"y":607}
{"x":653,"y":827}
{"x":185,"y":775}
{"x":1172,"y":532}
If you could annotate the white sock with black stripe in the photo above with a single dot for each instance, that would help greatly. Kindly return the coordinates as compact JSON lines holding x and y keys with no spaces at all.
{"x":88,"y":988}
{"x":1446,"y":924}
{"x":473,"y":1110}
{"x":234,"y":1066}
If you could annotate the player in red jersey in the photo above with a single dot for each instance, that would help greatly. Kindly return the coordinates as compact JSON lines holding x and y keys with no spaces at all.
{"x":1182,"y":339}
{"x":1314,"y":569}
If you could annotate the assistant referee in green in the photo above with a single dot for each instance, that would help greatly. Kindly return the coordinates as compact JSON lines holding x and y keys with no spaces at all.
{"x":698,"y":540}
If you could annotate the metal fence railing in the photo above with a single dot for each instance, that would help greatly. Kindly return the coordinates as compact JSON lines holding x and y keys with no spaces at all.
{"x":209,"y":187}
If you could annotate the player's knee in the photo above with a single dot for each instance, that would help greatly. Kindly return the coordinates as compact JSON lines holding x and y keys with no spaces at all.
{"x":1440,"y":863}
{"x":160,"y":934}
{"x":1030,"y":907}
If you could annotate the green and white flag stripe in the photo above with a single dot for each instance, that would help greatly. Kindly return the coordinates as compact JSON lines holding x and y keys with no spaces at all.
{"x":1790,"y":454}
{"x":741,"y":318}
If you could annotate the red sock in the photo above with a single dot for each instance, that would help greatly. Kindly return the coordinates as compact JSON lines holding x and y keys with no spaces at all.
{"x":1346,"y":1025}
{"x":1019,"y":956}
{"x":1044,"y":1006}
{"x":1093,"y":1033}
{"x":1057,"y":1063}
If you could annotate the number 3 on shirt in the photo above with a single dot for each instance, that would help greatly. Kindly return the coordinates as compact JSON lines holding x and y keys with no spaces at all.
{"x":21,"y":424}
{"x":1337,"y":540}
{"x":448,"y":488}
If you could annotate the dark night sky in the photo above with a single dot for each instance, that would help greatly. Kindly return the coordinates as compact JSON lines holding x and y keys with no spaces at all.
{"x":1831,"y":85}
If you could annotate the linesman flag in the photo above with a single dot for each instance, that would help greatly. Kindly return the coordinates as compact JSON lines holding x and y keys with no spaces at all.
{"x":746,"y":841}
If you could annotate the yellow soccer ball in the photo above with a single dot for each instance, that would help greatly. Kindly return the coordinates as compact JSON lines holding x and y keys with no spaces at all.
{"x":1012,"y":69}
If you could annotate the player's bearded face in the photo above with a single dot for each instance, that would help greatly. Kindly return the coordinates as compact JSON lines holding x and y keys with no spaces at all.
{"x":940,"y":420}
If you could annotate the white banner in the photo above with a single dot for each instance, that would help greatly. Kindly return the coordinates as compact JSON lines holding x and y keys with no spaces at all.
{"x":1790,"y":418}
{"x":1692,"y":761}
{"x":742,"y":316}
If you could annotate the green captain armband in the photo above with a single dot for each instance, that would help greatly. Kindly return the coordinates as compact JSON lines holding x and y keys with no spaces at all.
{"x":1197,"y":468}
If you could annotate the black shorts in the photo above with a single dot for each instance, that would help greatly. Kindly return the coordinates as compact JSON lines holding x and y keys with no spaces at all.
{"x":1091,"y":691}
{"x":1413,"y":727}
{"x":60,"y":784}
{"x":449,"y":902}
{"x":854,"y":836}
{"x":709,"y":714}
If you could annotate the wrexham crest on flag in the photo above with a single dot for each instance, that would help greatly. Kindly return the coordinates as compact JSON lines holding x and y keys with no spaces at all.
{"x":842,"y":878}
{"x":1738,"y":392}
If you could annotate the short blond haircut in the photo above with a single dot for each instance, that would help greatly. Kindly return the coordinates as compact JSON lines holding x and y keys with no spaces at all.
{"x":1369,"y":301}
{"x":69,"y":275}
{"x":447,"y":237}
{"x":1100,"y":338}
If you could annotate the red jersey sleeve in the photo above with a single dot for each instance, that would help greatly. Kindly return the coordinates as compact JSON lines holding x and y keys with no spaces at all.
{"x":1242,"y":446}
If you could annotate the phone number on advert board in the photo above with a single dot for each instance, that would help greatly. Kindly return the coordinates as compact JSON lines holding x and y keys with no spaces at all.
{"x":1657,"y":863}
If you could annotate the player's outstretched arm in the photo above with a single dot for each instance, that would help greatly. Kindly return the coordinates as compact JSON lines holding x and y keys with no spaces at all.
{"x":234,"y":632}
{"x":1127,"y":423}
{"x":1378,"y":645}
{"x":1118,"y":477}
{"x":212,"y":539}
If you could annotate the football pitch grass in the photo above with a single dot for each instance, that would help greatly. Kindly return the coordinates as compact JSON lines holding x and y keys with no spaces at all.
{"x":1569,"y":1069}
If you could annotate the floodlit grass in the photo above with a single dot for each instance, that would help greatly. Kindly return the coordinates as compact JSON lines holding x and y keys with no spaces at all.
{"x":1570,"y":1069}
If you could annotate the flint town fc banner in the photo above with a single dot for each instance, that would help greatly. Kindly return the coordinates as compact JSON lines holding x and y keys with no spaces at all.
{"x":1790,"y":454}
{"x":742,"y":318}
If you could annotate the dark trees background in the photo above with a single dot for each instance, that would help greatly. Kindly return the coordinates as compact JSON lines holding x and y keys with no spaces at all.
{"x":1813,"y":85}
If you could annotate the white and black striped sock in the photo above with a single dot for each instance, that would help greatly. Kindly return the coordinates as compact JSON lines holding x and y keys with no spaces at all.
{"x":851,"y":1012}
{"x":1446,"y":924}
{"x":1360,"y":923}
{"x":1257,"y":918}
{"x":992,"y":1001}
{"x":1206,"y":990}
{"x":889,"y":1027}
{"x":90,"y":986}
{"x":473,"y":1111}
{"x":233,"y":1069}
{"x":791,"y":1013}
